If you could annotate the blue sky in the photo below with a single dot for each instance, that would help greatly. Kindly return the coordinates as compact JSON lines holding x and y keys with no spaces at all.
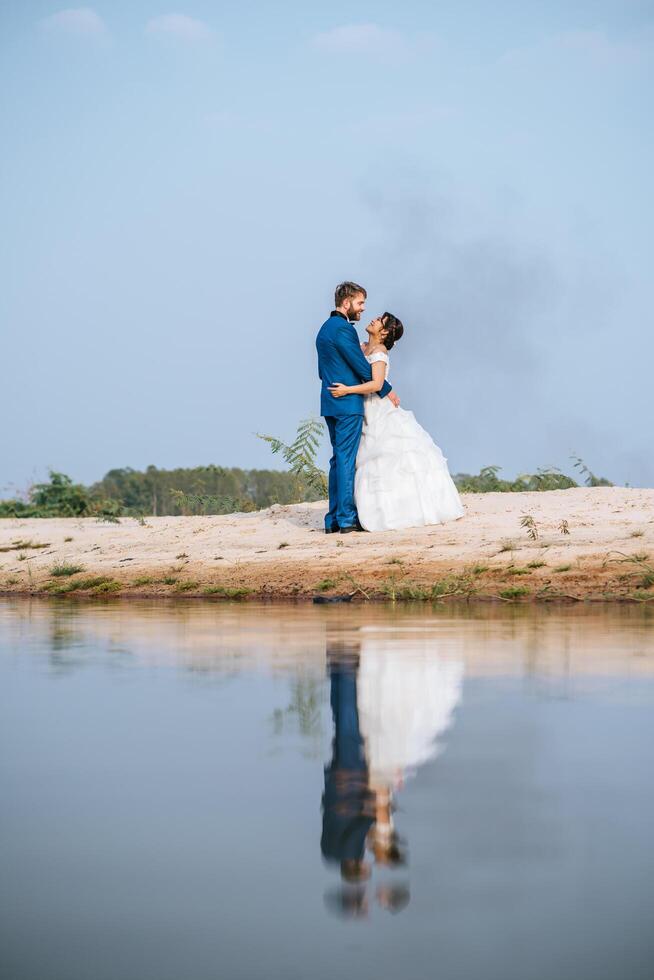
{"x":182,"y":187}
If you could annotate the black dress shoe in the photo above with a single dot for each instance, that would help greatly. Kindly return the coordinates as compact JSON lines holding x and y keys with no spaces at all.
{"x":353,"y":527}
{"x":332,"y":530}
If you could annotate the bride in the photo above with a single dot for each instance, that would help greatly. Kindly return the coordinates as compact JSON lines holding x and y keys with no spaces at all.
{"x":402,"y":479}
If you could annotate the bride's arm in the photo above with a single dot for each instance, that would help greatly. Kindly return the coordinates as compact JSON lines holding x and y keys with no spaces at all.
{"x":378,"y":378}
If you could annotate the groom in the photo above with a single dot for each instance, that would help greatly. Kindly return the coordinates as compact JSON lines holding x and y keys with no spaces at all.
{"x":340,"y":359}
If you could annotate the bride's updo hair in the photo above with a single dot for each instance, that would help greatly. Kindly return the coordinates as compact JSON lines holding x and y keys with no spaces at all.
{"x":394,"y":327}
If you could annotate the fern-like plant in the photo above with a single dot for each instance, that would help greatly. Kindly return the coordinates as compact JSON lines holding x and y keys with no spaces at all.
{"x":301,"y":454}
{"x":589,"y":477}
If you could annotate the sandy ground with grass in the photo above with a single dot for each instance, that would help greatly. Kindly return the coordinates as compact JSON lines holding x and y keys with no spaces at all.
{"x":281,"y":552}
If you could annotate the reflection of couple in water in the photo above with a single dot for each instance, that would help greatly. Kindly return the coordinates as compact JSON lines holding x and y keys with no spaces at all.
{"x":388,"y":707}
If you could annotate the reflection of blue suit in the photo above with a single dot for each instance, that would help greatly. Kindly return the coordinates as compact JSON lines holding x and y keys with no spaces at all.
{"x":348,"y":802}
{"x":340,"y":359}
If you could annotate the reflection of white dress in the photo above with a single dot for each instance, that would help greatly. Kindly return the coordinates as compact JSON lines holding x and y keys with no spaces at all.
{"x":406,"y":699}
{"x":402,"y":479}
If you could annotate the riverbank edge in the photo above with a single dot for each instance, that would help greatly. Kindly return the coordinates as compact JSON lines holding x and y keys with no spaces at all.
{"x":581,"y":544}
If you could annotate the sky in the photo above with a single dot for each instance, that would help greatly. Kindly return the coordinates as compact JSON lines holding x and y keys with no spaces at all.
{"x":182,"y":188}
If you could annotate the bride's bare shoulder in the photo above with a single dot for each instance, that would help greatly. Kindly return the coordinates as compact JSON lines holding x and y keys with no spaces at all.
{"x":378,"y":349}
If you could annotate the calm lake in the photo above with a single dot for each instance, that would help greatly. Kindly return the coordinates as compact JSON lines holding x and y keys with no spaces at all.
{"x":208,"y":790}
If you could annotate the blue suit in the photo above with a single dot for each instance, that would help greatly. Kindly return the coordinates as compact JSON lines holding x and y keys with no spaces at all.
{"x":348,"y":802}
{"x":340,"y":359}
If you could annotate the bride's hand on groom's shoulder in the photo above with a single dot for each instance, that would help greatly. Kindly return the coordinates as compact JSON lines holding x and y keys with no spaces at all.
{"x":338,"y":390}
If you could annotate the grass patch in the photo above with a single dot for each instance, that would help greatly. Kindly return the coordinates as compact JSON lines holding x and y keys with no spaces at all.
{"x":144,"y":580}
{"x":235,"y":593}
{"x":393,"y":561}
{"x":507,"y":546}
{"x":186,"y":586}
{"x":182,"y":555}
{"x":169,"y":580}
{"x":78,"y":584}
{"x":12,"y":581}
{"x":325,"y":584}
{"x":536,"y":564}
{"x":68,"y":539}
{"x":563,"y":568}
{"x":515,"y":592}
{"x":636,"y":534}
{"x":110,"y":586}
{"x":63,"y":569}
{"x":518,"y":571}
{"x":411,"y":591}
{"x":479,"y":569}
{"x":448,"y":586}
{"x":284,"y":544}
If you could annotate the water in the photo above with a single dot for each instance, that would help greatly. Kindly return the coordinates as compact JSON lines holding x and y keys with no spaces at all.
{"x":488,"y":798}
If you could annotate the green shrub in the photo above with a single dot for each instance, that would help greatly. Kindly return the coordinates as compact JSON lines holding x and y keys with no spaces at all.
{"x":515,"y":592}
{"x":63,"y":569}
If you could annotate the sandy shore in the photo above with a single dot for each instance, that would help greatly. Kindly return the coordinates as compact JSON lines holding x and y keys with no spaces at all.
{"x":282,"y":553}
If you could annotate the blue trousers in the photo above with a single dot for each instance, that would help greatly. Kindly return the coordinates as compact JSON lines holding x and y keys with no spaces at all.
{"x":345,"y":436}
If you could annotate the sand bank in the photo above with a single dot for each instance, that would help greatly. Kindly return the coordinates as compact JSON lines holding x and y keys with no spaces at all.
{"x":281,"y":552}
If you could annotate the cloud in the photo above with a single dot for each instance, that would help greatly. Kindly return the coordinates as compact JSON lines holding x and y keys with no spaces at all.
{"x":361,"y":39}
{"x":82,"y":21}
{"x":597,"y":46}
{"x":179,"y":26}
{"x":358,"y":39}
{"x":592,"y":46}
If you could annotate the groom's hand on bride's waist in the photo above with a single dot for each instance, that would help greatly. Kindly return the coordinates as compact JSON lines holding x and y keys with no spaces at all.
{"x":393,"y":399}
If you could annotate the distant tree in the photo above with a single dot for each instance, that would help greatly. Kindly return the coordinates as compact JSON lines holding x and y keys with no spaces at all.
{"x":60,"y":497}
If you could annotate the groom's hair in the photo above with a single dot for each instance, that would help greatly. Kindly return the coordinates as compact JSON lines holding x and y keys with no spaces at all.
{"x":347,"y":290}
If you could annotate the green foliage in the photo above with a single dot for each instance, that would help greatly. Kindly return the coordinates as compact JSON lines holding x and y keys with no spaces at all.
{"x":528,"y":522}
{"x":640,"y":565}
{"x":198,"y":503}
{"x":198,"y":491}
{"x":563,"y":568}
{"x":515,"y":592}
{"x":221,"y":490}
{"x":226,"y":592}
{"x":301,"y":454}
{"x":589,"y":477}
{"x":93,"y":582}
{"x":545,"y":478}
{"x":61,"y":498}
{"x":460,"y":584}
{"x":488,"y":481}
{"x":110,"y":586}
{"x":63,"y":569}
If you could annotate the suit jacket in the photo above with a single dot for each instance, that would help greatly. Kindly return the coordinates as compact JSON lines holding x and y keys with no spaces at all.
{"x":340,"y":358}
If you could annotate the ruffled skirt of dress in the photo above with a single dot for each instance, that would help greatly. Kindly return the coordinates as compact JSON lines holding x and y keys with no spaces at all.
{"x":402,"y":479}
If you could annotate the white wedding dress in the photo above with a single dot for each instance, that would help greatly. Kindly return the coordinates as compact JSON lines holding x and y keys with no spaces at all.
{"x":406,"y":700}
{"x":402,"y":479}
